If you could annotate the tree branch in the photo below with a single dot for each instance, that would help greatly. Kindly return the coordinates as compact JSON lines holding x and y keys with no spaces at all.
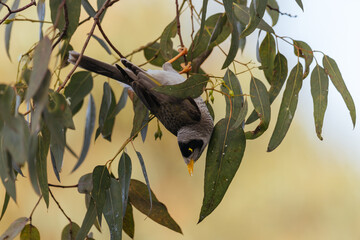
{"x":16,"y":10}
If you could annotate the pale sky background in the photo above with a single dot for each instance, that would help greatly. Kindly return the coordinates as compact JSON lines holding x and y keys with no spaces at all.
{"x":305,"y":189}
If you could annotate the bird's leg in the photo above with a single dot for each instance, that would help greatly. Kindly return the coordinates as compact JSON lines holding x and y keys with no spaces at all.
{"x":182,"y":51}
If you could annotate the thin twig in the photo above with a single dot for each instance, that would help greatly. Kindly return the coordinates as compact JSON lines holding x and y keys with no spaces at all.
{"x":32,"y":3}
{"x":108,"y":41}
{"x":63,"y":186}
{"x":58,"y":204}
{"x":278,"y":10}
{"x":179,"y":31}
{"x":142,"y":48}
{"x":32,"y":212}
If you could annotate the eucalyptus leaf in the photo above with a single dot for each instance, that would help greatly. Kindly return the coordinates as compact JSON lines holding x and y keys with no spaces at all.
{"x":41,"y":165}
{"x":9,"y":26}
{"x":102,"y":43}
{"x":41,"y":15}
{"x":203,"y":19}
{"x":166,"y":44}
{"x":15,"y":228}
{"x":267,"y":56}
{"x":124,"y":172}
{"x":143,"y":168}
{"x":5,"y":205}
{"x":88,"y":8}
{"x":152,"y":54}
{"x":303,"y":50}
{"x":70,"y":231}
{"x":101,"y":183}
{"x":88,"y":221}
{"x":30,"y":232}
{"x":140,"y":114}
{"x":257,"y":10}
{"x":299,"y":2}
{"x":79,"y":87}
{"x":128,"y":221}
{"x":274,"y":12}
{"x":85,"y":184}
{"x":6,"y":172}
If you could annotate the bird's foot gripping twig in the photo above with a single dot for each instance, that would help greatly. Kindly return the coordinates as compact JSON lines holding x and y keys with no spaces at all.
{"x":186,"y":67}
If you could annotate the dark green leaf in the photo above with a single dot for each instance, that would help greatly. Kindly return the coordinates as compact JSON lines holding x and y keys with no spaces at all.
{"x":166,"y":44}
{"x":89,"y":128}
{"x":88,"y":8}
{"x":41,"y":62}
{"x":85,"y":184}
{"x":274,"y":14}
{"x":5,"y":205}
{"x":143,"y":168}
{"x":319,"y":92}
{"x":73,"y":10}
{"x":102,"y":43}
{"x":299,"y":2}
{"x":7,"y":98}
{"x":193,"y":87}
{"x":152,"y":54}
{"x":140,"y":113}
{"x":260,"y":100}
{"x":64,"y":53}
{"x":88,"y":221}
{"x":210,"y":109}
{"x":121,"y":103}
{"x":303,"y":50}
{"x":33,"y":146}
{"x":59,"y":110}
{"x":106,"y":120}
{"x":267,"y":57}
{"x":203,"y":17}
{"x":6,"y":171}
{"x":241,"y":117}
{"x":257,"y":10}
{"x":70,"y":231}
{"x":113,"y":209}
{"x":30,"y":232}
{"x":124,"y":172}
{"x":41,"y":15}
{"x":41,"y":165}
{"x":100,"y":3}
{"x":8,"y":28}
{"x":223,"y":158}
{"x":139,"y":198}
{"x":14,"y":229}
{"x":101,"y":182}
{"x":56,"y":159}
{"x":333,"y":71}
{"x":219,"y":26}
{"x":287,"y":107}
{"x":128,"y":222}
{"x":242,"y":13}
{"x":80,"y":86}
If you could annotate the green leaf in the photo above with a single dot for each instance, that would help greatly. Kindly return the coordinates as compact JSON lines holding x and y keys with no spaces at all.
{"x":287,"y":107}
{"x":260,"y":100}
{"x":124,"y":172}
{"x":88,"y":221}
{"x":79,"y":87}
{"x":64,"y":53}
{"x":256,"y":15}
{"x":143,"y":168}
{"x":59,"y":110}
{"x":319,"y":91}
{"x":332,"y":69}
{"x":299,"y":2}
{"x":106,"y":120}
{"x":89,"y":128}
{"x":41,"y":165}
{"x":139,"y":198}
{"x":57,"y":156}
{"x":121,"y":103}
{"x":210,"y":109}
{"x":193,"y":87}
{"x":166,"y":44}
{"x":101,"y":183}
{"x":30,"y":232}
{"x":100,"y":3}
{"x":7,"y":98}
{"x":140,"y":114}
{"x":5,"y":205}
{"x":303,"y":50}
{"x":88,"y":8}
{"x":41,"y":15}
{"x":128,"y":222}
{"x":73,"y":10}
{"x":219,"y":26}
{"x":232,"y":85}
{"x":241,"y":117}
{"x":274,"y":14}
{"x":267,"y":57}
{"x":8,"y":28}
{"x":33,"y":147}
{"x":6,"y":171}
{"x":102,"y":43}
{"x":242,"y":13}
{"x":14,"y":229}
{"x":70,"y":231}
{"x":40,"y":67}
{"x":85,"y":184}
{"x":203,"y":17}
{"x":223,"y":158}
{"x":152,"y":54}
{"x":113,"y":209}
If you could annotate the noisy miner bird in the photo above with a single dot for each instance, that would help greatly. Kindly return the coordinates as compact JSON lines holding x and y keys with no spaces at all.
{"x":188,"y":119}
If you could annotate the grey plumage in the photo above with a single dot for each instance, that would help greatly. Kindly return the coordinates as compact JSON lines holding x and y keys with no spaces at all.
{"x":188,"y":118}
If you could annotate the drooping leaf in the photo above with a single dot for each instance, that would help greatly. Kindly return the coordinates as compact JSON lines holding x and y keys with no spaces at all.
{"x":73,"y":11}
{"x":5,"y":205}
{"x":102,"y":43}
{"x":225,"y":152}
{"x":274,"y":14}
{"x":124,"y":172}
{"x":6,"y":171}
{"x":299,"y":2}
{"x":79,"y":87}
{"x":101,"y":183}
{"x":210,"y":109}
{"x":267,"y":56}
{"x":14,"y":229}
{"x":287,"y":107}
{"x":152,"y":54}
{"x":219,"y":26}
{"x":57,"y":156}
{"x":128,"y":221}
{"x":303,"y":50}
{"x":9,"y":26}
{"x":260,"y":100}
{"x":40,"y":67}
{"x":143,"y":168}
{"x":242,"y":13}
{"x":100,"y":3}
{"x":70,"y":231}
{"x":140,"y":114}
{"x":319,"y":91}
{"x":113,"y":209}
{"x":30,"y":232}
{"x":139,"y":198}
{"x":241,"y":117}
{"x":59,"y":111}
{"x":33,"y":146}
{"x":88,"y":8}
{"x":85,"y":184}
{"x":41,"y":15}
{"x":166,"y":44}
{"x":121,"y":103}
{"x":193,"y":87}
{"x":41,"y":165}
{"x":257,"y":10}
{"x":203,"y":19}
{"x":88,"y":221}
{"x":332,"y":69}
{"x":89,"y":128}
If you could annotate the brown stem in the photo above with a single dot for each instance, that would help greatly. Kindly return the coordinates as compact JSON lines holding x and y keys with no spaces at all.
{"x":16,"y":10}
{"x":63,"y":186}
{"x":58,"y":204}
{"x":108,"y":41}
{"x":32,"y":212}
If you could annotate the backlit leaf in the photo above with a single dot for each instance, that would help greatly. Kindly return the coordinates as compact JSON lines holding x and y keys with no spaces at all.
{"x":79,"y":87}
{"x":223,"y":158}
{"x":333,"y":71}
{"x":287,"y":107}
{"x":70,"y":231}
{"x":30,"y":232}
{"x":139,"y":198}
{"x":303,"y":50}
{"x":14,"y":229}
{"x":319,"y":91}
{"x":166,"y":44}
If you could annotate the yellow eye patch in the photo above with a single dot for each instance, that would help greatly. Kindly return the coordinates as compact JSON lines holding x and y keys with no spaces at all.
{"x":191,"y":150}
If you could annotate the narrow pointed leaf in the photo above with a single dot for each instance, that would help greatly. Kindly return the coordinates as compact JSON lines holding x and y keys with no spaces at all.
{"x":8,"y":28}
{"x":128,"y":222}
{"x":104,"y":107}
{"x":41,"y":166}
{"x":30,"y":232}
{"x":6,"y":171}
{"x":140,"y":114}
{"x":124,"y":172}
{"x":113,"y":209}
{"x":88,"y":221}
{"x":89,"y":128}
{"x":80,"y":85}
{"x":14,"y":229}
{"x":143,"y":168}
{"x":299,"y":2}
{"x":5,"y":205}
{"x":223,"y":158}
{"x":257,"y":10}
{"x":303,"y":50}
{"x":53,"y":162}
{"x":102,"y":43}
{"x":319,"y":91}
{"x":267,"y":55}
{"x":333,"y":71}
{"x":101,"y":183}
{"x":139,"y":198}
{"x":166,"y":44}
{"x":33,"y":146}
{"x":287,"y":107}
{"x":88,"y":8}
{"x":70,"y":231}
{"x":220,"y":24}
{"x":202,"y":24}
{"x":121,"y":103}
{"x":274,"y":14}
{"x":41,"y":15}
{"x":242,"y":115}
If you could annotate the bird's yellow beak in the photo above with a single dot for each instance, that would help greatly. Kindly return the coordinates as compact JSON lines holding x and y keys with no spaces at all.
{"x":191,"y":167}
